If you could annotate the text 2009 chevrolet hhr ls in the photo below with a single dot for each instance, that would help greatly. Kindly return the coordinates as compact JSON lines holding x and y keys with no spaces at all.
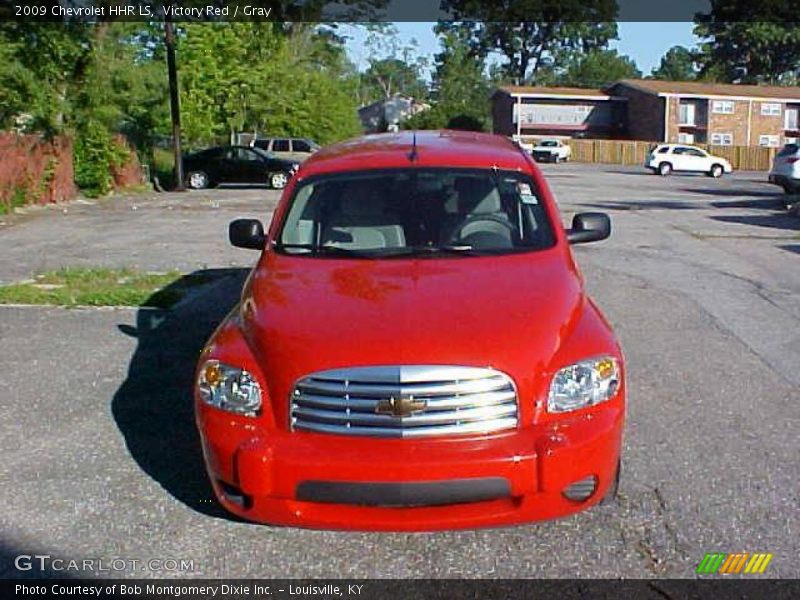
{"x":414,"y":349}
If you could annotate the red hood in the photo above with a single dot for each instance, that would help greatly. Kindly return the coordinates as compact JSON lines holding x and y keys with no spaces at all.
{"x":309,"y":314}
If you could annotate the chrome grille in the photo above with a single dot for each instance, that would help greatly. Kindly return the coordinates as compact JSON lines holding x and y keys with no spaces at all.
{"x":404,"y":401}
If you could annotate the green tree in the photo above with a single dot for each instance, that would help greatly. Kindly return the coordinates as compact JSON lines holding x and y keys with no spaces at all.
{"x":747,"y":42}
{"x":393,"y":67}
{"x":678,"y":64}
{"x":253,"y":76}
{"x":598,"y":68}
{"x":530,"y":34}
{"x":44,"y":63}
{"x":460,"y":90}
{"x":390,"y":76}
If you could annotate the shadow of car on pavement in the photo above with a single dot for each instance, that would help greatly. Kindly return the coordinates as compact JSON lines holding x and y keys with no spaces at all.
{"x":774,"y":221}
{"x":153,"y":408}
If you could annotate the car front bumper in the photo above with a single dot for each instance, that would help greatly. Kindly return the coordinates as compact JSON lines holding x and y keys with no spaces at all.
{"x":543,"y":156}
{"x":785,"y":181}
{"x":345,"y":482}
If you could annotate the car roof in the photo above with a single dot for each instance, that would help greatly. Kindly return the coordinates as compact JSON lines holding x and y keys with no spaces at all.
{"x":679,"y":145}
{"x":282,"y":137}
{"x":418,"y":149}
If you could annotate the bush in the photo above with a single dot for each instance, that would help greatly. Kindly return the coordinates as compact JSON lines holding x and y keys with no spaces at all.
{"x":96,"y":155}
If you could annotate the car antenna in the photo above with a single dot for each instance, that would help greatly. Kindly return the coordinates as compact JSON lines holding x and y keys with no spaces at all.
{"x":412,"y":156}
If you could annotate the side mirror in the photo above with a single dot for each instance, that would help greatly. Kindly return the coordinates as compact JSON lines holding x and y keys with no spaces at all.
{"x":247,"y":233}
{"x":589,"y":227}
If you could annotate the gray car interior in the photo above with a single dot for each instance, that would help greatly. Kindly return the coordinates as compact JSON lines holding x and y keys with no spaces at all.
{"x":384,"y":212}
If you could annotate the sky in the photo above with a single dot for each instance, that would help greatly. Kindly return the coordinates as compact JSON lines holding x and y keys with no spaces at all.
{"x":644,"y":42}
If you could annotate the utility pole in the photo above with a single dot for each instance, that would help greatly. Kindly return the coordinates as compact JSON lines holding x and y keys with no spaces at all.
{"x":174,"y":102}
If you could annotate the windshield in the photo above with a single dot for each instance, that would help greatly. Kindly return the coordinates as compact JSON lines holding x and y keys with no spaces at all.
{"x":263,"y":153}
{"x":415,"y":212}
{"x":549,"y":144}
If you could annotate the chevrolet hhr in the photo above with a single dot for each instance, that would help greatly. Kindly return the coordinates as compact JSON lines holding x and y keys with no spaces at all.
{"x":414,"y":349}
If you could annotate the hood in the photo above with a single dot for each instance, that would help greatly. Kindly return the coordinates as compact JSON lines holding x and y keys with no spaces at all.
{"x":301,"y":314}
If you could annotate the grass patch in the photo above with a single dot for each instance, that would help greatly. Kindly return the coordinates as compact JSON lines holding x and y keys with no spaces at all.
{"x":103,"y":287}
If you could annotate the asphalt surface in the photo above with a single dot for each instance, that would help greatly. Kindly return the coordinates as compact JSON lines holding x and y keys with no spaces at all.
{"x":700,"y":280}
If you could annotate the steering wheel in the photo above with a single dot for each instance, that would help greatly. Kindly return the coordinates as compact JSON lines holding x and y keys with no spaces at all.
{"x":460,"y":233}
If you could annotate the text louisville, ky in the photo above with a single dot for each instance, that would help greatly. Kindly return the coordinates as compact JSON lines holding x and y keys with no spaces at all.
{"x":177,"y":591}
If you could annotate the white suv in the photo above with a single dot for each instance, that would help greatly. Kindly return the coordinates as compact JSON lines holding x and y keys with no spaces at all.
{"x":786,"y":169}
{"x":666,"y":158}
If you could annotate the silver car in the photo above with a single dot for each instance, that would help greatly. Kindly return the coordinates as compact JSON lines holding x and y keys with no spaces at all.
{"x":786,"y":169}
{"x":297,"y":149}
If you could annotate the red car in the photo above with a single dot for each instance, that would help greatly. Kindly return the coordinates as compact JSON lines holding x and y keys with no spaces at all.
{"x":414,"y":349}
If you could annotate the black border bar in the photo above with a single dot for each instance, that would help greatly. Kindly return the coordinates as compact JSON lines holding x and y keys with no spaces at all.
{"x":377,"y":589}
{"x":374,"y":10}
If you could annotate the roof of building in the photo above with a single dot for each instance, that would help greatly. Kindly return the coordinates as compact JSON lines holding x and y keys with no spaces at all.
{"x":528,"y":90}
{"x":656,"y":86}
{"x":698,"y":88}
{"x":433,"y":148}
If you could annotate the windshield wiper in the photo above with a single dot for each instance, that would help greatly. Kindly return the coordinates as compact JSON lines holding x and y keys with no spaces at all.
{"x":399,"y":252}
{"x":328,"y":250}
{"x":456,"y":250}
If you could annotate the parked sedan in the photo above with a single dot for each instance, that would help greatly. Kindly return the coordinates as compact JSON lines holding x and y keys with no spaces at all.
{"x":237,"y":164}
{"x":666,"y":158}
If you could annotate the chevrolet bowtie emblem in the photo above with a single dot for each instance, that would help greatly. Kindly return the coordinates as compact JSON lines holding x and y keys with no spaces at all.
{"x":400,"y":407}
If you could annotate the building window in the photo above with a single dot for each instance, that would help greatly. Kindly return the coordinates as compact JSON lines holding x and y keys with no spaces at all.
{"x":724,"y":107}
{"x":686,"y":138}
{"x":769,"y":109}
{"x":792,"y":119}
{"x":772,"y":141}
{"x":721,"y":139}
{"x":686,"y":113}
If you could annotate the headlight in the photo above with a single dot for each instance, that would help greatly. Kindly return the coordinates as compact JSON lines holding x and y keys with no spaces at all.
{"x":585,"y":383}
{"x":229,"y":388}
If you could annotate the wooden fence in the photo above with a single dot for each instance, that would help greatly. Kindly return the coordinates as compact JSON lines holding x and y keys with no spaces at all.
{"x":747,"y":158}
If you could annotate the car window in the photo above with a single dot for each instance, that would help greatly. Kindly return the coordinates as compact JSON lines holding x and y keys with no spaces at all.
{"x":262,"y":144}
{"x":264,"y":154}
{"x":687,"y":151}
{"x":789,"y":149}
{"x":663,"y":149}
{"x":280,"y":145}
{"x":245,"y":154}
{"x":549,"y":144}
{"x":425,"y":212}
{"x":300,"y":146}
{"x":211,"y":153}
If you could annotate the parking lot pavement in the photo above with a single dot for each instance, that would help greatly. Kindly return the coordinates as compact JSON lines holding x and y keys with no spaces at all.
{"x":184,"y":231}
{"x":700,"y":280}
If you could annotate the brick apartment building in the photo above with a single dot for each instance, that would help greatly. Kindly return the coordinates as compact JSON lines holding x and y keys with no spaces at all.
{"x":657,"y":111}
